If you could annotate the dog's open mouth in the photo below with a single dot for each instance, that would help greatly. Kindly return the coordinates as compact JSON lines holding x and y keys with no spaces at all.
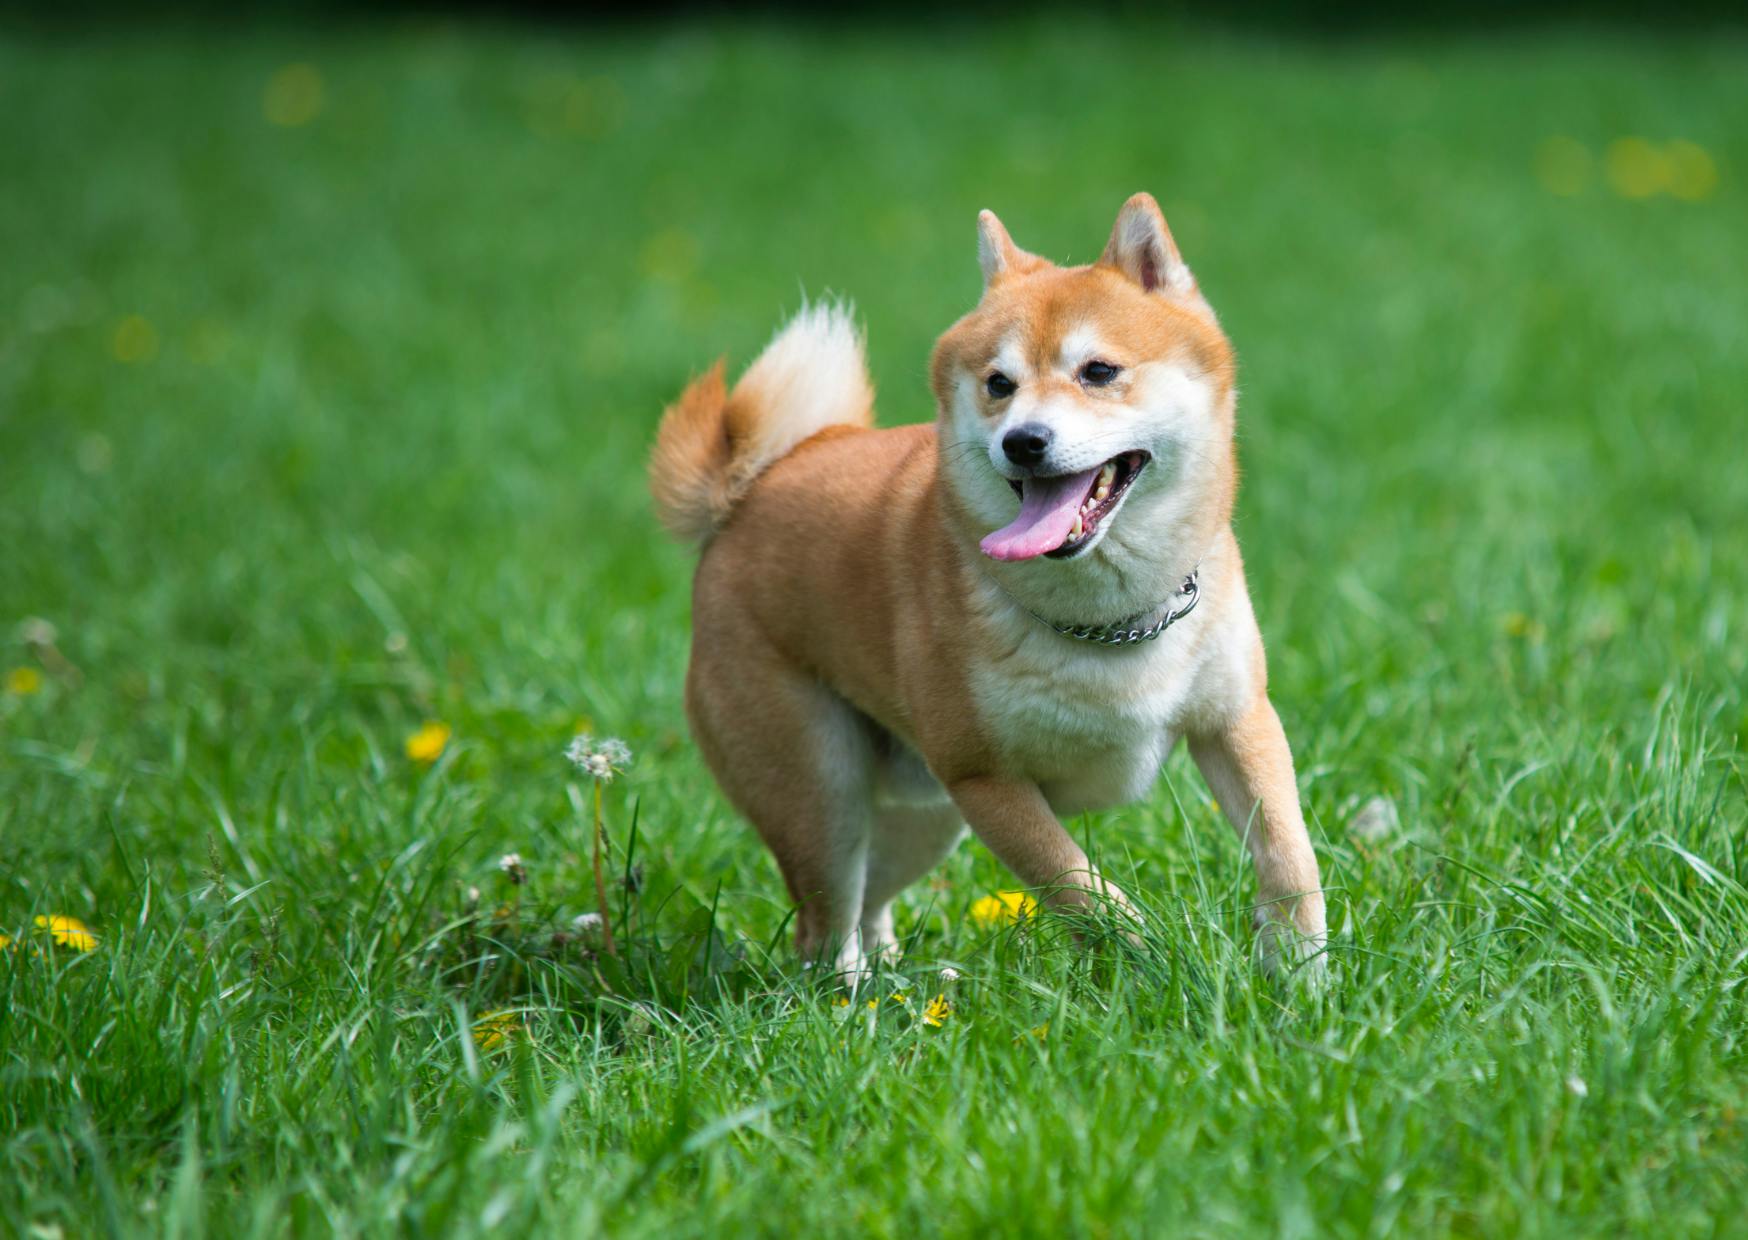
{"x":1059,"y":517}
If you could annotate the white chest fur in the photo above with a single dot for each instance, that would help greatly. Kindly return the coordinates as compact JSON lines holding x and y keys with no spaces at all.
{"x":1091,"y":724}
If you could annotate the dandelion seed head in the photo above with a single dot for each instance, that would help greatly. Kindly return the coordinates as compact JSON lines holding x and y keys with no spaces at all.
{"x":511,"y":864}
{"x":35,"y":631}
{"x":584,"y":922}
{"x":598,"y":759}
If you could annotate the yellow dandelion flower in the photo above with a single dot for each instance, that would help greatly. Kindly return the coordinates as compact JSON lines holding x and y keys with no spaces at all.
{"x":428,"y":743}
{"x":669,"y":256}
{"x":937,"y":1011}
{"x":23,"y":681}
{"x":495,"y":1029}
{"x":900,"y":996}
{"x":1636,"y":168}
{"x":135,"y":340}
{"x":1041,"y":1031}
{"x":1516,"y":624}
{"x":1002,"y":908}
{"x":841,"y":1001}
{"x":5,"y":941}
{"x":68,"y":932}
{"x":1693,"y":174}
{"x":558,"y":105}
{"x":873,"y":1004}
{"x":294,"y":96}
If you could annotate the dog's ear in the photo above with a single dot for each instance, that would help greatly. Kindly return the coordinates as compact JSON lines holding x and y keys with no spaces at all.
{"x":996,"y":252}
{"x":1142,"y":249}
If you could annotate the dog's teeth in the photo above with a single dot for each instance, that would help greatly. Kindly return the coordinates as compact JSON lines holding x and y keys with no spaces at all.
{"x":1075,"y":532}
{"x":1107,"y":475}
{"x":1104,"y":491}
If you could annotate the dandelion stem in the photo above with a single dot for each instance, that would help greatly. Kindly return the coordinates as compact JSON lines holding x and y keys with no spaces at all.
{"x":600,"y":882}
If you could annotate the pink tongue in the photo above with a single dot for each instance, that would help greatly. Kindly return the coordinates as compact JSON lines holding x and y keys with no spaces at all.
{"x":1047,"y":509}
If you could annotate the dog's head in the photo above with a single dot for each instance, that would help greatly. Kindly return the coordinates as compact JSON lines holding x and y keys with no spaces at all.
{"x":1083,"y":406}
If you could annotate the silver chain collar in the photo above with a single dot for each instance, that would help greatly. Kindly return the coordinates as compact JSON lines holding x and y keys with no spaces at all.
{"x":1126,"y":632}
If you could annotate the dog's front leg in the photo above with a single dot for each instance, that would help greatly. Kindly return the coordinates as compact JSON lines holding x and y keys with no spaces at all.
{"x":1014,"y":819}
{"x":1250,"y":770}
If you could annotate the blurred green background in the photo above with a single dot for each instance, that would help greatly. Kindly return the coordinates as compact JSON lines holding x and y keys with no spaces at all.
{"x":329,"y":356}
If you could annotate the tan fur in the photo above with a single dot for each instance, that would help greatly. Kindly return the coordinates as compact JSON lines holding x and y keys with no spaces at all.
{"x":691,"y":470}
{"x":863,"y":679}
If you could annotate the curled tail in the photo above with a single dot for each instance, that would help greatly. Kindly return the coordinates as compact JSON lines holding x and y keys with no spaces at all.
{"x":714,"y":442}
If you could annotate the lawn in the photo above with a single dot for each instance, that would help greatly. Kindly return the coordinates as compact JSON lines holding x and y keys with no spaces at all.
{"x":328,"y":363}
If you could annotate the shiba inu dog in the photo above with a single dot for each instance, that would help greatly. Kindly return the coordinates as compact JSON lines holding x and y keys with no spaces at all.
{"x":1009,"y":615}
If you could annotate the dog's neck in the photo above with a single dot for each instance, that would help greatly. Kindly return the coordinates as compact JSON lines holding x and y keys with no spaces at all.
{"x":1115,"y":582}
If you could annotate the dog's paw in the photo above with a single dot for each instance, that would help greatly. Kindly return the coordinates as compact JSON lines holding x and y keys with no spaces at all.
{"x":1293,"y":945}
{"x":1116,"y":911}
{"x":853,"y":965}
{"x":1097,"y":914}
{"x":880,"y":940}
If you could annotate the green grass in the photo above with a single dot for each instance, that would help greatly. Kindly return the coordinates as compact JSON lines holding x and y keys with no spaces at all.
{"x":378,"y":461}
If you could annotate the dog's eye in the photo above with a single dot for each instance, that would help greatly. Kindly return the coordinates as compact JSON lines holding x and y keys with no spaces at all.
{"x":999,"y":385}
{"x":1099,"y":373}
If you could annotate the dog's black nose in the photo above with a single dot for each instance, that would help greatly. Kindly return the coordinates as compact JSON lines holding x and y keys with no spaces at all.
{"x":1027,"y":444}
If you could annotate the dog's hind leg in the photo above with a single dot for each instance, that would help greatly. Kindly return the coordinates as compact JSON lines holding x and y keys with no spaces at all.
{"x":796,"y":760}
